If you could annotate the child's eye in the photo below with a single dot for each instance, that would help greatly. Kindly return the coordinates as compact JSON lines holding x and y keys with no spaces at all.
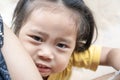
{"x":61,"y":45}
{"x":37,"y":38}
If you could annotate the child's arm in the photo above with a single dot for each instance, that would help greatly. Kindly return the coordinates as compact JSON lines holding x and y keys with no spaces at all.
{"x":110,"y":57}
{"x":19,"y":63}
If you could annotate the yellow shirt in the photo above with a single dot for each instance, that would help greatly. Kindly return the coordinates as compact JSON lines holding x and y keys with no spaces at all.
{"x":88,"y":59}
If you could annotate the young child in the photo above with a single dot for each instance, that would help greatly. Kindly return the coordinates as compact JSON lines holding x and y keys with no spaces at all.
{"x":58,"y":34}
{"x":40,"y":26}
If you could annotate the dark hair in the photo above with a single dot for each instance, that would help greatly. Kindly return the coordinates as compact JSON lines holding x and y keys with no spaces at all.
{"x":86,"y":27}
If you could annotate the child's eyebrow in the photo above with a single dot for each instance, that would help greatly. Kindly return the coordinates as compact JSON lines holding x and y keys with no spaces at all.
{"x":66,"y":40}
{"x":39,"y":32}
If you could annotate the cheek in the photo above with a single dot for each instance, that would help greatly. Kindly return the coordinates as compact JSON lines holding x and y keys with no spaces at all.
{"x":27,"y":46}
{"x":61,"y":63}
{"x":30,"y":49}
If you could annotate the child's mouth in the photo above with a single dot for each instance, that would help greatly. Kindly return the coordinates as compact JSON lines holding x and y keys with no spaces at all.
{"x":43,"y":68}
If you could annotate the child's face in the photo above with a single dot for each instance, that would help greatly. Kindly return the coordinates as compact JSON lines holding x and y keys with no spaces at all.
{"x":50,"y":39}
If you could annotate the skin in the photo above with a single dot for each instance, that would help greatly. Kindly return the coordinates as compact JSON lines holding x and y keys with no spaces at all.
{"x":49,"y":41}
{"x":18,"y":61}
{"x":110,"y":57}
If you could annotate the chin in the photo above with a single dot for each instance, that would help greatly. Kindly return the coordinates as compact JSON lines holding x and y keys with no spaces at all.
{"x":44,"y":75}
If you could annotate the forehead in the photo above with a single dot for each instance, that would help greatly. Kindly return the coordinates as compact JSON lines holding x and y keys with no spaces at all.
{"x":53,"y":8}
{"x":53,"y":20}
{"x":59,"y":20}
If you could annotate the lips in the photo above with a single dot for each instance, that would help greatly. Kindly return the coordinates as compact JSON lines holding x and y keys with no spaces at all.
{"x":43,"y":68}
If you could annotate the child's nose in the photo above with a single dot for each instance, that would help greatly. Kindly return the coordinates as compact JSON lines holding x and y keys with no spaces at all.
{"x":46,"y":54}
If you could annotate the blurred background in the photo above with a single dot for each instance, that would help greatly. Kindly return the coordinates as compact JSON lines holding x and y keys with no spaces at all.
{"x":107,"y":16}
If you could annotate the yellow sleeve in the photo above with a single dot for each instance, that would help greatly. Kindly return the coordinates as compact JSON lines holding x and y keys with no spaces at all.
{"x":88,"y":59}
